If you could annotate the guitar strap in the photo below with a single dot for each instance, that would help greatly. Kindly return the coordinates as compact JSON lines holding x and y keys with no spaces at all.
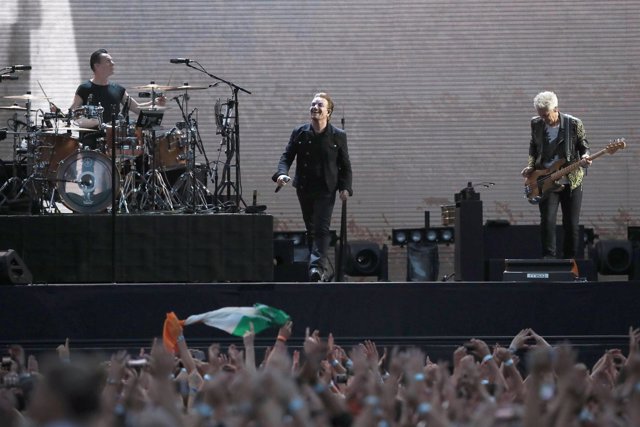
{"x":567,"y":136}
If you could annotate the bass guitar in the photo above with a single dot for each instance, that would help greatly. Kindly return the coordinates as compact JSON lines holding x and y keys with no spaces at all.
{"x":542,"y":182}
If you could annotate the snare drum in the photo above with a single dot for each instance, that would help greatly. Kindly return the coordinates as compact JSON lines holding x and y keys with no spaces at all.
{"x":51,"y":149}
{"x":84,"y":181}
{"x":170,"y":151}
{"x":129,"y":143}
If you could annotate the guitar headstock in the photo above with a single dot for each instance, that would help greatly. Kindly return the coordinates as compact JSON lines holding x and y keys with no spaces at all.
{"x":618,"y":144}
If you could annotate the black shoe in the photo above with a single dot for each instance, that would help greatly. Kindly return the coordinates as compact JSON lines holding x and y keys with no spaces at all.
{"x":314,"y":275}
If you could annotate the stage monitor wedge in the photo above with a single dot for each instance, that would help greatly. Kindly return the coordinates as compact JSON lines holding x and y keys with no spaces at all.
{"x":13,"y":270}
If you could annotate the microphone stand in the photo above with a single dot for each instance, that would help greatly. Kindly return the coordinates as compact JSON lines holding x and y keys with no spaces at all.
{"x":113,"y":193}
{"x":235,"y":142}
{"x":339,"y":276}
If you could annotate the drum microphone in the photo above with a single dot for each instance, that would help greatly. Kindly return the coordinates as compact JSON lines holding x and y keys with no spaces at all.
{"x":8,"y":77}
{"x":20,"y":68}
{"x":180,"y":61}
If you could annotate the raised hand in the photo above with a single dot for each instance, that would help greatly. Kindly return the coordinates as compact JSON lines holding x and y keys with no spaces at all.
{"x":540,"y":342}
{"x":519,"y":342}
{"x":634,"y":342}
{"x":285,"y":330}
{"x":64,"y":352}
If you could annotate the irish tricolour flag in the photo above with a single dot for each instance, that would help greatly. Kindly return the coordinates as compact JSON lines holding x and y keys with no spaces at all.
{"x":234,"y":320}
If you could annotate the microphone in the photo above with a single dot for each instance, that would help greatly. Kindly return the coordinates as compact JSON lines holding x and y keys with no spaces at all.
{"x":180,"y":61}
{"x":20,"y":68}
{"x":8,"y":77}
{"x":286,"y":179}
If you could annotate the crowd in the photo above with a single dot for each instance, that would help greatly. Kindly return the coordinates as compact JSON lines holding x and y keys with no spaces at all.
{"x":529,"y":383}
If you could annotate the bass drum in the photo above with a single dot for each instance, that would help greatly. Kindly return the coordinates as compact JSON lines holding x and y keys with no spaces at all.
{"x":84,"y":182}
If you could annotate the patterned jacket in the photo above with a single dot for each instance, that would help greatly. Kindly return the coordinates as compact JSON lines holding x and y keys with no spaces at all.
{"x":572,"y":152}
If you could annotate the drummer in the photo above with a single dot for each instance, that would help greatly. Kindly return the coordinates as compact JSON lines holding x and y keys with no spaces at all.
{"x":100,"y":92}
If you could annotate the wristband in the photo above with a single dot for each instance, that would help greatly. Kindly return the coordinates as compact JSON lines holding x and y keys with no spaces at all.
{"x":487,"y":358}
{"x":418,"y":377}
{"x":295,"y":405}
{"x":204,"y":410}
{"x":508,"y":362}
{"x":120,"y":410}
{"x":281,"y":338}
{"x":319,"y":387}
{"x":424,"y":408}
{"x":371,"y":400}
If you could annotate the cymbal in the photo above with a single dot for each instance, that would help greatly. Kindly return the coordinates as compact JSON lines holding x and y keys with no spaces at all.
{"x":64,"y":129}
{"x":13,"y":107}
{"x":186,"y":87}
{"x":26,"y":97}
{"x":153,"y":86}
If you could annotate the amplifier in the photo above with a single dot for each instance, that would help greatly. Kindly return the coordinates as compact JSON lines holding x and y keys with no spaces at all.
{"x":539,"y":270}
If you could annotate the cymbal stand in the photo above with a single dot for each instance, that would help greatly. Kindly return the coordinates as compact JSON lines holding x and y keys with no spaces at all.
{"x":188,"y":188}
{"x":12,"y":184}
{"x":156,"y":195}
{"x":233,"y":189}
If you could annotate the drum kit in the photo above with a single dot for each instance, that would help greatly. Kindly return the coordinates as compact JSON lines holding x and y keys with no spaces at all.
{"x":63,"y":170}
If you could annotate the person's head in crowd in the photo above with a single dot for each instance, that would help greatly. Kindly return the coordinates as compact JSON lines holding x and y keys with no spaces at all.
{"x":67,"y":393}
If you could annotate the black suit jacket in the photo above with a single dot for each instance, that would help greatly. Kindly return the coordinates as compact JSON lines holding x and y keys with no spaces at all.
{"x":334,"y":158}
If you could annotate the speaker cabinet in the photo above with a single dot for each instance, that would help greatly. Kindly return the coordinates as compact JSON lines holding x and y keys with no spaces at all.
{"x":468,"y":251}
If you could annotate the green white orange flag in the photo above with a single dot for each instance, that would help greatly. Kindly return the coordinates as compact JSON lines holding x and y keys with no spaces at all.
{"x":234,"y":320}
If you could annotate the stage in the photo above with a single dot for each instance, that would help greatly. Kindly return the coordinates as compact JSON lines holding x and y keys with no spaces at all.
{"x":196,"y":263}
{"x":434,"y":315}
{"x":151,"y":247}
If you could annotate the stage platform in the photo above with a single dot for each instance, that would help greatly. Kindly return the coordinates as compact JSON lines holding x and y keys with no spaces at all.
{"x":437,"y":316}
{"x":142,"y":248}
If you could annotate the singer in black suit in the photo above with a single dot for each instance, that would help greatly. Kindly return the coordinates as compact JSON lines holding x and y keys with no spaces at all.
{"x":322,"y":168}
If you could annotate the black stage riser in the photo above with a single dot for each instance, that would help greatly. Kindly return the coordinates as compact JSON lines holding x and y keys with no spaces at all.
{"x":149,"y":248}
{"x":438,"y":316}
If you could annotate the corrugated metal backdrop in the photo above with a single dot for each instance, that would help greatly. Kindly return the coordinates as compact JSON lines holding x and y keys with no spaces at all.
{"x":434,"y":94}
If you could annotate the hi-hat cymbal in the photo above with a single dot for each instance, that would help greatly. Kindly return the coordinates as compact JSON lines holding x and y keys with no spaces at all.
{"x":64,"y":129}
{"x":186,"y":87}
{"x":153,"y":86}
{"x":13,"y":107}
{"x":26,"y":97}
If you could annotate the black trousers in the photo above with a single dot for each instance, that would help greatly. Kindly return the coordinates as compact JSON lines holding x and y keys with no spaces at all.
{"x":570,"y":202}
{"x":317,"y":209}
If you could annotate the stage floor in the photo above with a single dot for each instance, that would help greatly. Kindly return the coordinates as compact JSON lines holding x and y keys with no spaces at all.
{"x":436,"y":315}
